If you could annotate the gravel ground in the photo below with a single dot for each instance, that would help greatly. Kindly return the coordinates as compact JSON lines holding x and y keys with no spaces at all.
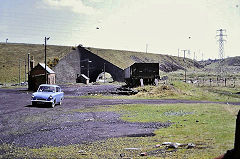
{"x":24,"y":125}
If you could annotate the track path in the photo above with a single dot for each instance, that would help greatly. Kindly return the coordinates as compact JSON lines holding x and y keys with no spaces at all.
{"x":24,"y":125}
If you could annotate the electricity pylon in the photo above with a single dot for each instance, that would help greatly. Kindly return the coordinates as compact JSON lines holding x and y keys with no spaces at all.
{"x":221,"y":41}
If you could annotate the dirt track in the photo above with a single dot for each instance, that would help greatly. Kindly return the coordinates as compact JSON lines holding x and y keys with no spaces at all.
{"x":24,"y":125}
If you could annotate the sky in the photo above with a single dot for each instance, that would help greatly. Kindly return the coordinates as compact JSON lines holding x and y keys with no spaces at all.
{"x":155,"y":26}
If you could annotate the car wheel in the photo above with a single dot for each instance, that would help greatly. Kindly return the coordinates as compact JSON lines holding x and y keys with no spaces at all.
{"x":34,"y":103}
{"x":60,"y":103}
{"x":53,"y":103}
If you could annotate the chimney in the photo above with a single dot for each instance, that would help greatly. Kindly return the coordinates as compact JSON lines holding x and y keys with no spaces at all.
{"x":32,"y":63}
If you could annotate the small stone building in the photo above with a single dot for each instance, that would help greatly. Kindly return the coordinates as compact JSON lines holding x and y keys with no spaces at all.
{"x":37,"y":76}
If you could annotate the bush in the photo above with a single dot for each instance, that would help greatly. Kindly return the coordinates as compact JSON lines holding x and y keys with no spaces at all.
{"x":53,"y":63}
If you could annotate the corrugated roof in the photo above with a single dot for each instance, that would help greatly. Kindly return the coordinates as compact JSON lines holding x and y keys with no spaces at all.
{"x":49,"y":70}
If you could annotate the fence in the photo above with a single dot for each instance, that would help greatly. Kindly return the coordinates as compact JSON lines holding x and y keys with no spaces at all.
{"x":209,"y":81}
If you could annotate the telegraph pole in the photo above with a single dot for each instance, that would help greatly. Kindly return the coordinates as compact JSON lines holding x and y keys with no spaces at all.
{"x":46,"y":79}
{"x":104,"y":69}
{"x":194,"y":58}
{"x":189,"y":54}
{"x":185,"y":71}
{"x":25,"y":70}
{"x":88,"y":68}
{"x":221,"y":41}
{"x":19,"y":72}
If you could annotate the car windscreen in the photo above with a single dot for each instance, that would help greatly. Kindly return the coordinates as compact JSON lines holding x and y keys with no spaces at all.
{"x":46,"y":89}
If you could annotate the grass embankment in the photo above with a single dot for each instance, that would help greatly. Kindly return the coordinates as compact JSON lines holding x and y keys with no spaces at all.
{"x":124,"y":59}
{"x":179,"y":90}
{"x":12,"y":54}
{"x":210,"y":126}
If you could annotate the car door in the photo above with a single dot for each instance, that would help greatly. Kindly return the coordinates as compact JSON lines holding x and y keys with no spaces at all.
{"x":59,"y":94}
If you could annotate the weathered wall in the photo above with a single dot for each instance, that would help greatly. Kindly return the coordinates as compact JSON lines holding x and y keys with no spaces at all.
{"x":51,"y":78}
{"x":37,"y":77}
{"x":69,"y":67}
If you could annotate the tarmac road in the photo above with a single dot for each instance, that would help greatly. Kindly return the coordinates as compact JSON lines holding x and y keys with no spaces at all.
{"x":24,"y":125}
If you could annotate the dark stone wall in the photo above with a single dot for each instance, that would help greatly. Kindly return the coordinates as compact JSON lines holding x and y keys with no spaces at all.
{"x":37,"y":77}
{"x":68,"y":68}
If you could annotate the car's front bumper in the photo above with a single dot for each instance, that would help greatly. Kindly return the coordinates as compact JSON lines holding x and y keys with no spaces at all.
{"x":42,"y":101}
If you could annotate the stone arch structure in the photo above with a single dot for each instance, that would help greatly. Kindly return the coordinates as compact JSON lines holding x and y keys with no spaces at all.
{"x":82,"y":61}
{"x":98,"y":64}
{"x":107,"y":76}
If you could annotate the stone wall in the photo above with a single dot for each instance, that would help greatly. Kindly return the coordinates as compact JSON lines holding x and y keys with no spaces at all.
{"x":68,"y":68}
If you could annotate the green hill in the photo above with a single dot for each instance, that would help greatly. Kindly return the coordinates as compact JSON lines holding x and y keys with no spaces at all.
{"x":124,"y":59}
{"x":11,"y":53}
{"x":230,"y":65}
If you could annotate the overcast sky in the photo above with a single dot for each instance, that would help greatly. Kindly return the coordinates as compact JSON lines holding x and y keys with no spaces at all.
{"x":163,"y":25}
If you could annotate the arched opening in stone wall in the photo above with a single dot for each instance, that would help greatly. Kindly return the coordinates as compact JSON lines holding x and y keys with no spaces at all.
{"x":104,"y":77}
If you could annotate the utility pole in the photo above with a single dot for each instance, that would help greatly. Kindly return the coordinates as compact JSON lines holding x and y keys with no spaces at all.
{"x":86,"y":65}
{"x":25,"y":71}
{"x":19,"y":72}
{"x":221,"y":41}
{"x":46,"y":78}
{"x":5,"y":73}
{"x":79,"y":61}
{"x":88,"y":68}
{"x":185,"y":71}
{"x":194,"y":61}
{"x":104,"y":72}
{"x":28,"y":57}
{"x":146,"y":48}
{"x":189,"y":54}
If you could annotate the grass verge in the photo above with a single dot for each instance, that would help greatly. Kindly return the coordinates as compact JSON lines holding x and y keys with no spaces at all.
{"x":210,"y":126}
{"x":178,"y":90}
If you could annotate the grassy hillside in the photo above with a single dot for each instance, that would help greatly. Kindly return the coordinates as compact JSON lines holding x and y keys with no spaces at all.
{"x":10,"y":54}
{"x":123,"y":59}
{"x":230,"y":65}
